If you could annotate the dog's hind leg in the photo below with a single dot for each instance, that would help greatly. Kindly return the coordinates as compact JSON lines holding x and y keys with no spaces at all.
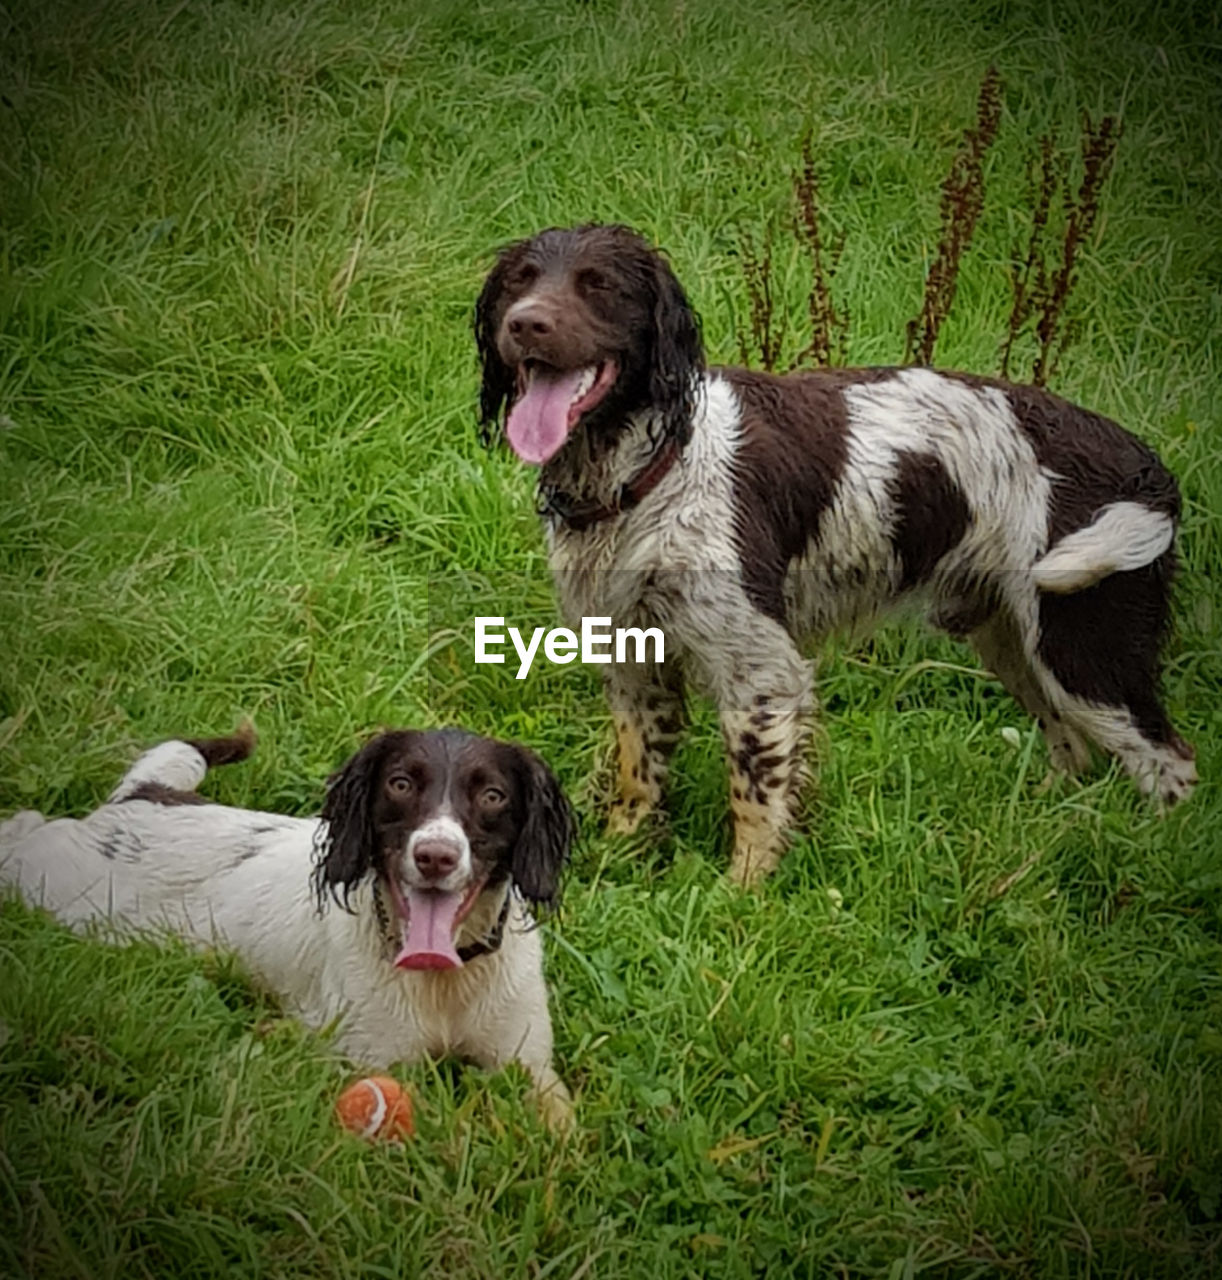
{"x":1163,"y":766}
{"x":1100,"y":647}
{"x":15,"y":829}
{"x":170,"y":771}
{"x":999,"y":642}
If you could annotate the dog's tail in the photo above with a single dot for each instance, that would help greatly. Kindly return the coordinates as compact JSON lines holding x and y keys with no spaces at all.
{"x":1123,"y":536}
{"x":231,"y":750}
{"x":170,"y":771}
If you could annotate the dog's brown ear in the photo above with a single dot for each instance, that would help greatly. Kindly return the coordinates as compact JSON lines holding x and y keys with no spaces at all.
{"x":677,"y":358}
{"x":497,"y":385}
{"x":549,"y":827}
{"x":346,"y":844}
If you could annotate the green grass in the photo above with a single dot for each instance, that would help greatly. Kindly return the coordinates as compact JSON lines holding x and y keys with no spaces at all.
{"x":968,"y":1029}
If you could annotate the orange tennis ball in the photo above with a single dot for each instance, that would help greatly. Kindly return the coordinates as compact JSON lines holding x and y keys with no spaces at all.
{"x":376,"y":1107}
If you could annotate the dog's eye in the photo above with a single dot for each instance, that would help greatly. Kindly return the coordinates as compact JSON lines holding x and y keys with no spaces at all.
{"x":493,"y":797}
{"x":399,"y":784}
{"x":591,"y":281}
{"x":524,"y":275}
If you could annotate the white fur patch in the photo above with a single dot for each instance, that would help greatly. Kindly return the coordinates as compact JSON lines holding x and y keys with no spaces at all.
{"x":172,"y":764}
{"x":972,"y":432}
{"x":444,"y":830}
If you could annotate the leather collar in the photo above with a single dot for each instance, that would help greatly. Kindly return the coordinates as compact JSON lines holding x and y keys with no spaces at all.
{"x":492,"y":940}
{"x":580,"y":515}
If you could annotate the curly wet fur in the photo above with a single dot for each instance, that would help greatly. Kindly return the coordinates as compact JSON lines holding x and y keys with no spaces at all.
{"x":1035,"y":529}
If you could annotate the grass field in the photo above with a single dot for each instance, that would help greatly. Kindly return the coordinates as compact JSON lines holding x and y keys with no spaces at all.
{"x":969,"y":1029}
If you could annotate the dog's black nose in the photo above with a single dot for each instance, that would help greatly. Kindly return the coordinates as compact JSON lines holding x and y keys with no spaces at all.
{"x":435,"y":859}
{"x":531,"y":322}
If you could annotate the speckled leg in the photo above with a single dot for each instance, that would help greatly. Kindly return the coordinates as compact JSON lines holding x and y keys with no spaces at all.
{"x":647,"y":706}
{"x":766,"y":740}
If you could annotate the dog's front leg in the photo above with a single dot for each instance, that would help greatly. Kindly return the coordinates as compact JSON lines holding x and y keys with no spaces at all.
{"x":766,"y":706}
{"x":552,"y":1099}
{"x":647,"y":706}
{"x":531,"y":1027}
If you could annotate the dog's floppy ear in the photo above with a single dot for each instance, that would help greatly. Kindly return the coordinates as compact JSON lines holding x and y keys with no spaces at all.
{"x":346,"y":842}
{"x":496,"y":389}
{"x":677,"y":360}
{"x":548,"y":829}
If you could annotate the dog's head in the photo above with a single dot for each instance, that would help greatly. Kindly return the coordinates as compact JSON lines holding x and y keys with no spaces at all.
{"x":444,"y":818}
{"x":578,"y":328}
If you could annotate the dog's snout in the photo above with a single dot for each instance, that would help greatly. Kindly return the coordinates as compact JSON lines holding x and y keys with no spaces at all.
{"x":530,"y":321}
{"x":435,"y":859}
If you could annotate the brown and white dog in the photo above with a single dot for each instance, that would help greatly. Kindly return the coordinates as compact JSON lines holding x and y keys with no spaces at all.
{"x":744,"y":513}
{"x":431,"y":840}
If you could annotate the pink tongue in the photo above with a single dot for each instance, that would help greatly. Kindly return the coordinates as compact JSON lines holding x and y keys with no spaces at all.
{"x":539,"y":420}
{"x":428,"y":936}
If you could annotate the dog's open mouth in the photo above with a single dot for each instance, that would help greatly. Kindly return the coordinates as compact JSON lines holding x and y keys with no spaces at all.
{"x":428,"y":923}
{"x":549,"y":403}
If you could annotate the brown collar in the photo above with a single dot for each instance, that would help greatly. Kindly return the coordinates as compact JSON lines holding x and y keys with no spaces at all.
{"x":491,"y":941}
{"x":580,"y":515}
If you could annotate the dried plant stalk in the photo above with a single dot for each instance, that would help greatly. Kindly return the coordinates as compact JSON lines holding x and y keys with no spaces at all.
{"x":768,"y":323}
{"x":1030,"y":281}
{"x":767,"y":332}
{"x":962,"y":201}
{"x":828,"y":325}
{"x":1042,"y":290}
{"x":1098,"y":151}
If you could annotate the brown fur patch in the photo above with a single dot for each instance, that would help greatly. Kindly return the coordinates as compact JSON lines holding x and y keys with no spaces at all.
{"x":758,"y":843}
{"x":1093,"y":460}
{"x":793,"y":454}
{"x":933,"y":515}
{"x":159,"y":793}
{"x":231,"y":750}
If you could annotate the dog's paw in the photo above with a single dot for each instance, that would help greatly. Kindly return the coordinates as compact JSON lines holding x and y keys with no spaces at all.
{"x":1177,"y":777}
{"x":1056,"y":781}
{"x":555,"y":1107}
{"x":750,"y":867}
{"x":625,"y":816}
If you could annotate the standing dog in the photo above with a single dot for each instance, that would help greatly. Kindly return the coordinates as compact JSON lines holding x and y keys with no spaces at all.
{"x":743,"y":512}
{"x":424,"y":837}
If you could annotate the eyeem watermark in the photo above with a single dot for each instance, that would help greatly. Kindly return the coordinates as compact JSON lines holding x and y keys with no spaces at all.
{"x":597,"y":643}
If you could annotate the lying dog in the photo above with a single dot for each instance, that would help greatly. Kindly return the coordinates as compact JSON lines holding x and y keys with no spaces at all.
{"x":743,"y":512}
{"x":424,"y":837}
